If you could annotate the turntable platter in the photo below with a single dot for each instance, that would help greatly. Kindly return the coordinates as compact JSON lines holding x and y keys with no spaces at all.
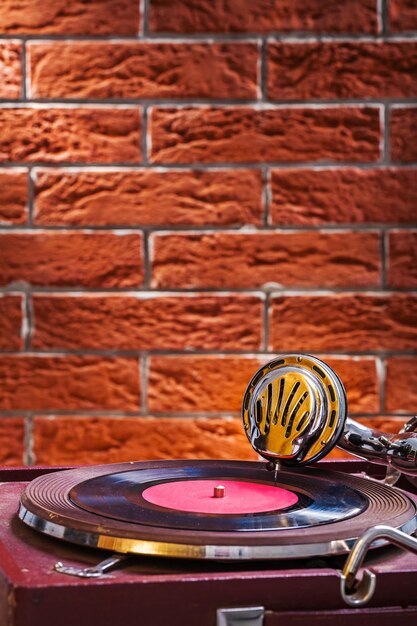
{"x":131,"y":507}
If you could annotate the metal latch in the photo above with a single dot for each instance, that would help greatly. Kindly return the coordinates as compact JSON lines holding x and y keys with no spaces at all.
{"x":97,"y":571}
{"x":242,"y":616}
{"x":358,"y":591}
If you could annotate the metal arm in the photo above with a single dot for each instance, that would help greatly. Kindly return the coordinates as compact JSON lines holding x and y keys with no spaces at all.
{"x":399,"y":451}
{"x":358,"y":591}
{"x":295,"y":411}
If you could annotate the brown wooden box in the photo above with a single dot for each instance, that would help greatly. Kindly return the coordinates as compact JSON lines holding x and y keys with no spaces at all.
{"x":161,"y":592}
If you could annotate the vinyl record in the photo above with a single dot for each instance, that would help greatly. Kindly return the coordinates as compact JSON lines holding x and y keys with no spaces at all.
{"x":124,"y":496}
{"x":169,"y":508}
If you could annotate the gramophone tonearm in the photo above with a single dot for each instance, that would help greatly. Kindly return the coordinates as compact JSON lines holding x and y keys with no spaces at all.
{"x":295,"y":411}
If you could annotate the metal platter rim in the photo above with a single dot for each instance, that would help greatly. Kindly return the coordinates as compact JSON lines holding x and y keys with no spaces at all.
{"x":147,"y":547}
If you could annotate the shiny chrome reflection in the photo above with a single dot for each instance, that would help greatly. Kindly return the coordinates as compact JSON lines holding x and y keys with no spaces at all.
{"x":295,"y":411}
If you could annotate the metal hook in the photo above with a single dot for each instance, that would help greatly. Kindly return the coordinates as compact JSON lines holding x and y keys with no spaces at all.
{"x":91,"y":572}
{"x":358,"y":591}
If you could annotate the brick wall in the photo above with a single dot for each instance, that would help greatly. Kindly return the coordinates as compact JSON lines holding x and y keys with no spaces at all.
{"x":186,"y":189}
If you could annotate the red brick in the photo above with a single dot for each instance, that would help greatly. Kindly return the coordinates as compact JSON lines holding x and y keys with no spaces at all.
{"x":343,"y":196}
{"x":95,"y":17}
{"x":199,"y":384}
{"x":13,"y":196}
{"x":69,"y":383}
{"x":403,"y":136}
{"x":10,"y":69}
{"x":359,"y":376}
{"x":344,"y":322}
{"x":402,"y":256}
{"x":12,"y":436}
{"x":216,"y":384}
{"x":148,"y":197}
{"x":263,"y":16}
{"x":401,"y":385}
{"x":10,"y":322}
{"x":402,"y":15}
{"x":68,"y":440}
{"x":203,"y":322}
{"x":71,"y":259}
{"x":143,"y":70}
{"x":242,"y":134}
{"x":249,"y":260}
{"x":385,"y":424}
{"x":331,"y":70}
{"x":101,"y":135}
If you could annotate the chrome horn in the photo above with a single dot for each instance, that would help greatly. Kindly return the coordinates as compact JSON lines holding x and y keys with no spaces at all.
{"x":295,"y":411}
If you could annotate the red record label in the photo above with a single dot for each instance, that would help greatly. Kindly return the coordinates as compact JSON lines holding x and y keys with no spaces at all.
{"x":240,"y":497}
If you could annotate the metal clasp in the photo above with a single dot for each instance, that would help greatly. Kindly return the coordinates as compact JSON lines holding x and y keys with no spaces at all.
{"x":358,"y":591}
{"x":91,"y":572}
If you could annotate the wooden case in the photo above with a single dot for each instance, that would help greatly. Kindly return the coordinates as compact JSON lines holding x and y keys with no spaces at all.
{"x":161,"y":592}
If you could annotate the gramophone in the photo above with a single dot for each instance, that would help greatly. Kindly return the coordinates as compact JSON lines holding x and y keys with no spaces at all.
{"x":285,"y":507}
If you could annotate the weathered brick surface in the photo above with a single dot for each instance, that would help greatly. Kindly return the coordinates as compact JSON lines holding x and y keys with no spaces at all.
{"x":143,"y":70}
{"x":148,"y":197}
{"x":343,"y":196}
{"x":385,"y":424}
{"x":87,"y":440}
{"x":12,"y":436}
{"x":69,"y":383}
{"x":360,"y":379}
{"x":95,"y":17}
{"x":402,"y":268}
{"x":401,"y":385}
{"x":403,"y":139}
{"x":10,"y":69}
{"x":205,"y":322}
{"x":251,"y":260}
{"x":172,"y":186}
{"x":13,"y":196}
{"x":102,"y":135}
{"x":62,"y":440}
{"x":242,"y":134}
{"x":71,"y":259}
{"x":217,"y":384}
{"x":402,"y":15}
{"x":344,"y":322}
{"x":10,"y":322}
{"x":332,"y":70}
{"x":263,"y":16}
